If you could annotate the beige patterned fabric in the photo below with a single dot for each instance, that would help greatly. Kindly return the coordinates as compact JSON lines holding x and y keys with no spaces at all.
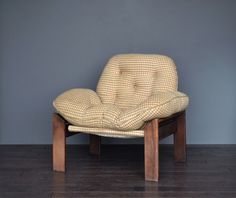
{"x":129,"y":79}
{"x":107,"y":132}
{"x":132,"y":89}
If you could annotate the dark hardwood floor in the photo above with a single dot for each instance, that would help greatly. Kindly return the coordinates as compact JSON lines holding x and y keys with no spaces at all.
{"x":26,"y":171}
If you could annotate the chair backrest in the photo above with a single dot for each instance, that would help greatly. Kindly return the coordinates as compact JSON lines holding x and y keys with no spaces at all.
{"x":129,"y":79}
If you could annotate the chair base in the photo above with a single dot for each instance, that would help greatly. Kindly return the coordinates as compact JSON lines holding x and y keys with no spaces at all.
{"x":59,"y":143}
{"x":151,"y":151}
{"x":175,"y":125}
{"x":94,"y":144}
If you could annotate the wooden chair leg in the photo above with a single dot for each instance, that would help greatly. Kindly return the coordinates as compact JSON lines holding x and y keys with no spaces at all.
{"x":151,"y":151}
{"x":94,"y":144}
{"x":59,"y":143}
{"x":180,"y":139}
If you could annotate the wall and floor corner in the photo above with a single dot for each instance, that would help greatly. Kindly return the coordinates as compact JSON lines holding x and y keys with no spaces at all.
{"x":47,"y":47}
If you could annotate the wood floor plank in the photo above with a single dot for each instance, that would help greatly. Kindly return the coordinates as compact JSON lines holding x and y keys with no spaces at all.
{"x":25,"y":171}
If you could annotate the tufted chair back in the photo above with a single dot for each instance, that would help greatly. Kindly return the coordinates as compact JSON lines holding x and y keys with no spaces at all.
{"x":129,"y":79}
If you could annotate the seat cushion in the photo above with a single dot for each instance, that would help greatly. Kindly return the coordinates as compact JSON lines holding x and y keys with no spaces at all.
{"x":82,"y":107}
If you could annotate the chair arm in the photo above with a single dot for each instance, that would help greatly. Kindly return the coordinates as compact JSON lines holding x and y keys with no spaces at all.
{"x":159,"y":105}
{"x":78,"y":99}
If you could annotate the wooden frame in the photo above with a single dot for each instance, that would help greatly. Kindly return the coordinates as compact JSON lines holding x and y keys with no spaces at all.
{"x":153,"y":133}
{"x":94,"y":144}
{"x":176,"y":125}
{"x":60,"y":133}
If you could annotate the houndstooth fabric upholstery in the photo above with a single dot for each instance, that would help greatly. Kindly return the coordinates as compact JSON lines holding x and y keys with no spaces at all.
{"x":129,"y":79}
{"x":107,"y":132}
{"x":132,"y":89}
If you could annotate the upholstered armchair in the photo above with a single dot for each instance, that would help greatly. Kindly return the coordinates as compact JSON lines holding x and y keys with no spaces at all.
{"x":136,"y":96}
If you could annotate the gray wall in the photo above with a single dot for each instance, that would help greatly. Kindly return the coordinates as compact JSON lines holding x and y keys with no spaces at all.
{"x":47,"y":47}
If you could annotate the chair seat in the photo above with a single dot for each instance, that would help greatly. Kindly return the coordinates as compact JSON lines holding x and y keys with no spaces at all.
{"x":83,"y":108}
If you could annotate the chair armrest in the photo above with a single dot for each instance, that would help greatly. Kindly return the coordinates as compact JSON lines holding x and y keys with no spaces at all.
{"x":159,"y":105}
{"x":163,"y":104}
{"x":78,"y":99}
{"x":164,"y":97}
